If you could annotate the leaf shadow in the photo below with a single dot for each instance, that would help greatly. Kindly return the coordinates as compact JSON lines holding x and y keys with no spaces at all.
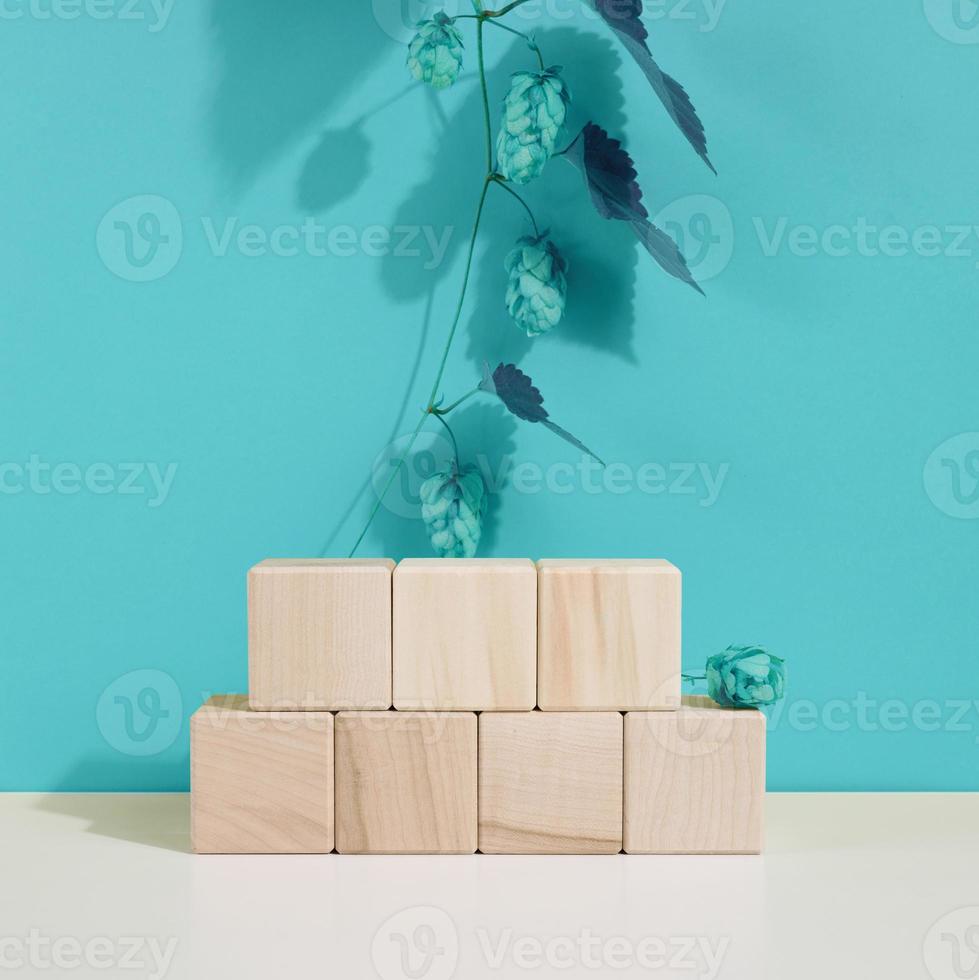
{"x":602,"y":254}
{"x":334,"y":169}
{"x":280,"y":73}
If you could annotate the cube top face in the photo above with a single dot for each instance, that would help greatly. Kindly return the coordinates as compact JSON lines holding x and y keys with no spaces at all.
{"x":261,"y":782}
{"x":325,"y":564}
{"x":608,"y":635}
{"x":406,"y":783}
{"x":609,"y":565}
{"x":319,"y":634}
{"x":455,"y":565}
{"x":694,"y":780}
{"x":465,"y":635}
{"x":550,"y":783}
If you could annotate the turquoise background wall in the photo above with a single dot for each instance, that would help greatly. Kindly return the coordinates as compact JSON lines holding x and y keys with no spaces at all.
{"x":215,"y":320}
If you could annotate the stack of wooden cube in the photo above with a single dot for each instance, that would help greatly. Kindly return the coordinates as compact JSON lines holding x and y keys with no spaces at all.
{"x":447,"y":706}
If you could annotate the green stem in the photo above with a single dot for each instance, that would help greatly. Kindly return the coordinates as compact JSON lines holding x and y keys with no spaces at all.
{"x":456,"y":403}
{"x":387,"y":486}
{"x":500,"y":182}
{"x":455,"y":445}
{"x":530,"y":41}
{"x":503,"y":11}
{"x":487,"y":180}
{"x":482,"y":83}
{"x":462,"y":294}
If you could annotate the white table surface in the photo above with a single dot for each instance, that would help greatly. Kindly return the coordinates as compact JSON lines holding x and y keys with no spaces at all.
{"x":852,"y":885}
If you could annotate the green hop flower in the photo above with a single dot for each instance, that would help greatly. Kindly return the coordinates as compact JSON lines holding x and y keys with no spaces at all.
{"x":536,"y":292}
{"x":533,"y":114}
{"x":435,"y":52}
{"x":453,"y":504}
{"x":744,"y":677}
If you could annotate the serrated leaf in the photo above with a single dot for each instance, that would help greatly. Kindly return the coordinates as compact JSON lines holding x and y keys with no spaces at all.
{"x":624,"y":17}
{"x":609,"y":174}
{"x":611,"y":180}
{"x":519,"y":394}
{"x":665,"y":251}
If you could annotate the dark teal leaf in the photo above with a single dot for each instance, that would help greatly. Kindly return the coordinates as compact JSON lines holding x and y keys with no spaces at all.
{"x":665,"y":251}
{"x":609,"y":174}
{"x":523,"y":399}
{"x":611,"y":180}
{"x":625,"y":19}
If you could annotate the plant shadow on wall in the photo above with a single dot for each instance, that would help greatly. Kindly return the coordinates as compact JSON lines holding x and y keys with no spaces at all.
{"x":281,"y":71}
{"x":601,"y":260}
{"x":529,"y":134}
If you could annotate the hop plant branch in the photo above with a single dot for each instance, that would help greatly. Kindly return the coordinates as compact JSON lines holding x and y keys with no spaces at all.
{"x":487,"y":180}
{"x":534,"y":113}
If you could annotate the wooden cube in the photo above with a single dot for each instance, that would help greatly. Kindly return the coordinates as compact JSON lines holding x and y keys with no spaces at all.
{"x":465,"y":634}
{"x":550,"y":783}
{"x":261,"y":782}
{"x":694,"y":780}
{"x":319,"y":634}
{"x":608,"y":635}
{"x":406,"y":782}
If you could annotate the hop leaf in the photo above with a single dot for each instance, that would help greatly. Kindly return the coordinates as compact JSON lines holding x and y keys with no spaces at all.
{"x":453,"y":505}
{"x":537,"y":289}
{"x":611,"y":180}
{"x":523,"y":399}
{"x":435,"y":52}
{"x":534,"y":111}
{"x":623,"y":16}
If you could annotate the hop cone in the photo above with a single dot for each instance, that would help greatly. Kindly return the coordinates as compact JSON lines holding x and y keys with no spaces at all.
{"x":535,"y":294}
{"x":435,"y":52}
{"x":453,"y":504}
{"x":744,"y":677}
{"x":533,"y":114}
